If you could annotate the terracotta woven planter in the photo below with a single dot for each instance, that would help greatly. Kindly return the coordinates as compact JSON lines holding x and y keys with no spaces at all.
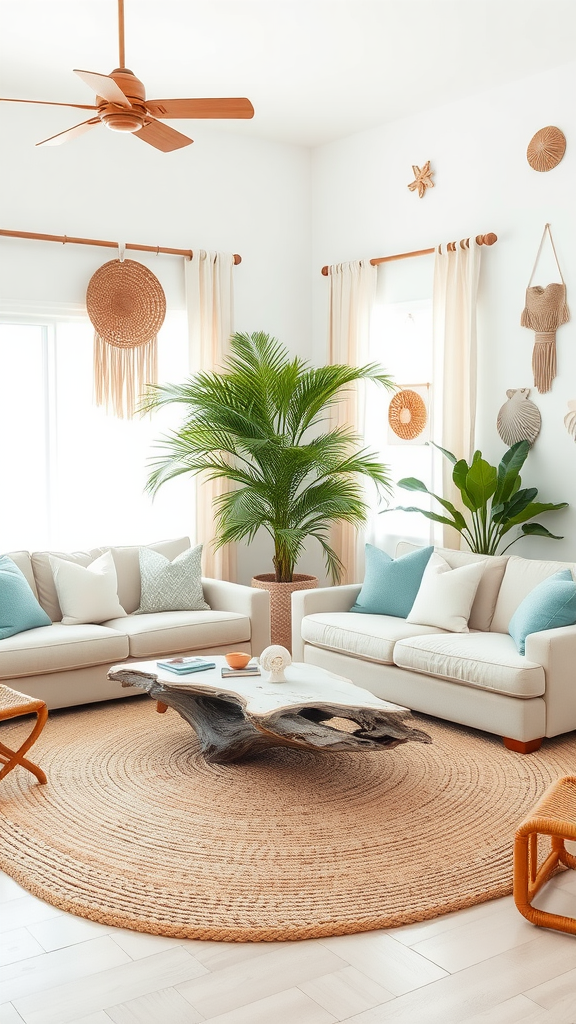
{"x":281,"y":603}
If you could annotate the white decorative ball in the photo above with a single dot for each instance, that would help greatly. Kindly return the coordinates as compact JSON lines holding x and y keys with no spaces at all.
{"x":274,"y":660}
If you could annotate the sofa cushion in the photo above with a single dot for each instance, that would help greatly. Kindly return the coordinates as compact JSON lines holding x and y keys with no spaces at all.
{"x":488,"y":588}
{"x":446,"y":595}
{"x":370,"y":637}
{"x":488,"y":661}
{"x":19,"y":609}
{"x":171,"y":585}
{"x":126,"y":560}
{"x":160,"y":633}
{"x":390,"y":585}
{"x":57,"y":648}
{"x":86,"y":593}
{"x":520,"y":577}
{"x":550,"y":605}
{"x":45,"y":585}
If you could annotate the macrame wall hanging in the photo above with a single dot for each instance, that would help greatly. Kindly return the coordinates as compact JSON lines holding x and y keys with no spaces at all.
{"x":545,"y":311}
{"x":126,"y":305}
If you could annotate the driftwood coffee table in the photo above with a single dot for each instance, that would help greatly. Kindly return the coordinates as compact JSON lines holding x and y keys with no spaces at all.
{"x":235,"y":718}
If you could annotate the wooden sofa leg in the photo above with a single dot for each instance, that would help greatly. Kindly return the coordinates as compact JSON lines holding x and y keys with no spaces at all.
{"x":522,"y":748}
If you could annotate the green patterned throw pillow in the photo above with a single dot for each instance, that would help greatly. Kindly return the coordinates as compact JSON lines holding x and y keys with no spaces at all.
{"x":171,"y":586}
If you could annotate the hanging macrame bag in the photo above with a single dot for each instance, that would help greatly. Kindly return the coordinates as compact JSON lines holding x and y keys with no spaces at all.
{"x":544,"y":312}
{"x":126,"y":305}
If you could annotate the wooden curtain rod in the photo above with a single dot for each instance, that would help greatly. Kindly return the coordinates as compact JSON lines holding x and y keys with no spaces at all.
{"x":488,"y":239}
{"x":64,"y":239}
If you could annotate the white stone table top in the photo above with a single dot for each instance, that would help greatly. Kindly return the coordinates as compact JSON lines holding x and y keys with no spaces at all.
{"x":305,"y":685}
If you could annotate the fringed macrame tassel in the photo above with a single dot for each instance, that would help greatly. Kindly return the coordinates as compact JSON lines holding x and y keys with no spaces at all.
{"x":121,"y":374}
{"x":544,"y":361}
{"x":545,"y":318}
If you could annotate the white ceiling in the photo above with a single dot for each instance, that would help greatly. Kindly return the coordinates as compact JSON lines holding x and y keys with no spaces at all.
{"x":315,"y":70}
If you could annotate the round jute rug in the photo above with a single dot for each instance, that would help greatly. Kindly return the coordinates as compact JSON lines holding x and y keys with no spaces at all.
{"x":135,"y":829}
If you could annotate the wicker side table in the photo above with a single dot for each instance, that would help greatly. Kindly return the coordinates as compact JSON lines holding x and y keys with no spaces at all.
{"x":554,"y":815}
{"x":12,"y":705}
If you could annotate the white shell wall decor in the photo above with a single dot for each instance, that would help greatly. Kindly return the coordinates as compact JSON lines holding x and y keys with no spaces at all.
{"x":519,"y":419}
{"x":570,"y":419}
{"x":275,"y":659}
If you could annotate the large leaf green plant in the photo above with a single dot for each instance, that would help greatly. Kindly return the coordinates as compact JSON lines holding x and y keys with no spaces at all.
{"x":495,"y":500}
{"x":260,"y":425}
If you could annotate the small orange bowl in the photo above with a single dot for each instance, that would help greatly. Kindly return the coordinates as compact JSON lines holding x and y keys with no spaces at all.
{"x":237,"y":659}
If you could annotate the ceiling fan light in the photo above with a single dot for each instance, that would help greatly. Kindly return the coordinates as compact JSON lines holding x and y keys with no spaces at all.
{"x":123,"y":121}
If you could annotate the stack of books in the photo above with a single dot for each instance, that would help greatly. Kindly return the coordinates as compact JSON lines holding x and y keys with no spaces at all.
{"x":184,"y":666}
{"x":251,"y":669}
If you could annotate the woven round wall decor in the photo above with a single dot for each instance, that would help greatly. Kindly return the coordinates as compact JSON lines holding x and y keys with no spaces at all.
{"x":407,"y":414}
{"x":126,"y":303}
{"x":546,"y":148}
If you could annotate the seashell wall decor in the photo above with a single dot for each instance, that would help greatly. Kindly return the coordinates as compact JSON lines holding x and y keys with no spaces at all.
{"x":570,"y":419}
{"x":519,"y":419}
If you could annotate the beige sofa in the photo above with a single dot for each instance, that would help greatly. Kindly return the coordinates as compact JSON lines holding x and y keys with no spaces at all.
{"x":477,"y":678}
{"x":67,"y":665}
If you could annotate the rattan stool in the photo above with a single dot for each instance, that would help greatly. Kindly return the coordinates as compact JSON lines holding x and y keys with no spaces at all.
{"x":554,"y":815}
{"x":12,"y":705}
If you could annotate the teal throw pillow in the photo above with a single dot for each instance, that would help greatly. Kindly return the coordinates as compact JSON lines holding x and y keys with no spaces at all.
{"x":551,"y":604}
{"x":19,"y":609}
{"x":391,"y":584}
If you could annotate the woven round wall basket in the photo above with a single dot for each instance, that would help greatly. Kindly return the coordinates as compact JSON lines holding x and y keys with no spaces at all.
{"x":126,"y":303}
{"x":546,"y":148}
{"x":407,"y":414}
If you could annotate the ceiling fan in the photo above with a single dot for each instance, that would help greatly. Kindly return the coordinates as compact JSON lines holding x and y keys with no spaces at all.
{"x":121,"y":105}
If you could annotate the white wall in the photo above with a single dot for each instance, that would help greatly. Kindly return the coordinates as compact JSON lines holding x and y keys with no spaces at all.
{"x":362,"y":208}
{"x":225,"y":192}
{"x":288,"y":212}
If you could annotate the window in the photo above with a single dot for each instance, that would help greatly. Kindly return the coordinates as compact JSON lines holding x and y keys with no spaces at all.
{"x":74,"y":476}
{"x":401,"y":341}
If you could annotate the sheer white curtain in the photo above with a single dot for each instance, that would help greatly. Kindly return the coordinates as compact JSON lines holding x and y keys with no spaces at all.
{"x":352,"y":294}
{"x":454,"y":318}
{"x":210,"y":307}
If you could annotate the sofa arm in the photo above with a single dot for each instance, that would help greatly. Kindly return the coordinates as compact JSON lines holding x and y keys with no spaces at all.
{"x":324,"y":599}
{"x":233,"y":597}
{"x":555,"y":650}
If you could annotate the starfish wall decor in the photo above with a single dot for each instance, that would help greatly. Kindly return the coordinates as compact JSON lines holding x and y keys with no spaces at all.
{"x":422,"y":179}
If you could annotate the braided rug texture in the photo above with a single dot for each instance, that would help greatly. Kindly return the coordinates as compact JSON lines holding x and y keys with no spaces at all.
{"x":135,"y":829}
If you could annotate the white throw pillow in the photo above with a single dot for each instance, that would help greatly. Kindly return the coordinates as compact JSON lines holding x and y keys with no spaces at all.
{"x":87,"y":594}
{"x":446,"y":595}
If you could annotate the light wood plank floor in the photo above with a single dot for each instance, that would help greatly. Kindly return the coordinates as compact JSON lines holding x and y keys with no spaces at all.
{"x":484,"y":965}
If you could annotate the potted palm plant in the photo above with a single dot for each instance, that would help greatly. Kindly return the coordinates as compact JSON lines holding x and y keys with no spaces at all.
{"x":261,"y":425}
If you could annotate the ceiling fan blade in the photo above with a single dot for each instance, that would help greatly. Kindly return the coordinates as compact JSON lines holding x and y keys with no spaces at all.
{"x":48,"y":103}
{"x":162,"y":137}
{"x":232,"y":107}
{"x":70,"y":133}
{"x":104,"y":86}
